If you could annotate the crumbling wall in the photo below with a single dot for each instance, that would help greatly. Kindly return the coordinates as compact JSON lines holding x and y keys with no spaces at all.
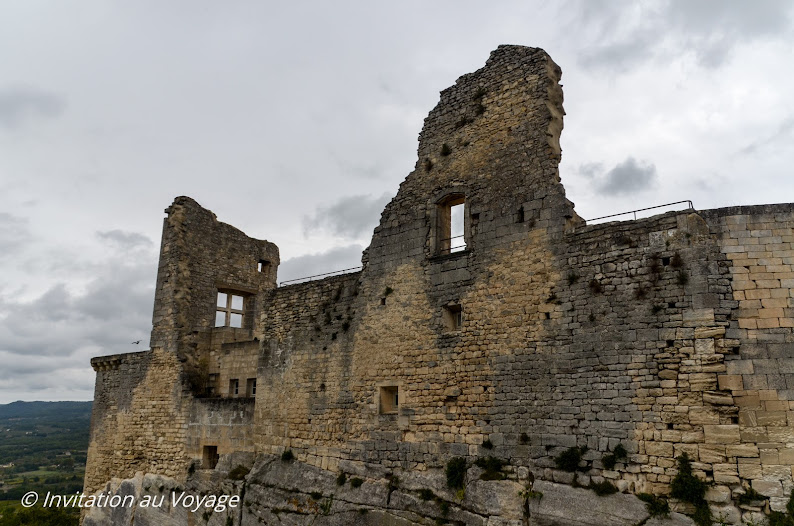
{"x":667,"y":335}
{"x":139,"y":419}
{"x":198,"y":257}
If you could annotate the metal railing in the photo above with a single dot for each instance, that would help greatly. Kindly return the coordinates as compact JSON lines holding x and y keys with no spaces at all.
{"x":323,"y":275}
{"x":452,"y":248}
{"x":688,"y":201}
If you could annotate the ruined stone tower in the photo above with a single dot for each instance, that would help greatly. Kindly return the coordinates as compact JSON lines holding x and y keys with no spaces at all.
{"x":488,"y":320}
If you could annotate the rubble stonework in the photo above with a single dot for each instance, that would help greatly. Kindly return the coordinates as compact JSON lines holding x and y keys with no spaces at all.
{"x":663,"y":336}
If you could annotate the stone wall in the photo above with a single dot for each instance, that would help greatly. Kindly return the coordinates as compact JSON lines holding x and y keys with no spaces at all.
{"x":666,"y":335}
{"x":139,"y":418}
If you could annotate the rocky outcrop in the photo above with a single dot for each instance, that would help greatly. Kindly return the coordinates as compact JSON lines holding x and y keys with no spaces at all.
{"x":293,"y":493}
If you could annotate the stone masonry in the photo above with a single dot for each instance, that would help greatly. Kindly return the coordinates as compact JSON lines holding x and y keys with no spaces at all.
{"x":667,"y":335}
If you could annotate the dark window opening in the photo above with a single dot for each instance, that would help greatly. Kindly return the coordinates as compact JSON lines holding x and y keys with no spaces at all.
{"x":453,"y":317}
{"x":665,"y":261}
{"x":250,"y":387}
{"x":520,"y":217}
{"x":389,"y":399}
{"x":263,"y":265}
{"x":234,"y":387}
{"x":210,"y":457}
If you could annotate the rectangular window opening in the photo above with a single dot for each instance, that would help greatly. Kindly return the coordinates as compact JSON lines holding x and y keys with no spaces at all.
{"x":451,"y":225}
{"x":234,"y":387}
{"x":263,"y":265}
{"x":250,"y":387}
{"x":229,"y":310}
{"x":389,"y":400}
{"x":453,"y":317}
{"x":210,"y":457}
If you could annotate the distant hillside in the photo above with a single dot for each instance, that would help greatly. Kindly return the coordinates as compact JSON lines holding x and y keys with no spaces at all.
{"x":35,"y":434}
{"x":45,"y":410}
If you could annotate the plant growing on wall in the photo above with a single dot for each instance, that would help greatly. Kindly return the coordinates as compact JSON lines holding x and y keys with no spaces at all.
{"x":569,"y":459}
{"x":456,"y":473}
{"x":688,"y":488}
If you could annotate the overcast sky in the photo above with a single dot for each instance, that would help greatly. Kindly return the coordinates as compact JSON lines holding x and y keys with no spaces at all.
{"x":297,"y":121}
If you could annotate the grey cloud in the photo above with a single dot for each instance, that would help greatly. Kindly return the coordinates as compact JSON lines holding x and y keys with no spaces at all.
{"x":125,"y":240}
{"x":590,"y":170}
{"x":113,"y":310}
{"x":782,"y":133}
{"x":313,"y":264}
{"x":622,"y":34}
{"x":628,"y":177}
{"x":350,"y":217}
{"x":14,"y":233}
{"x":20,"y":103}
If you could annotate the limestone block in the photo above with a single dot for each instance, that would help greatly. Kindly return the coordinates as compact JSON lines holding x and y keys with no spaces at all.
{"x":722,"y":434}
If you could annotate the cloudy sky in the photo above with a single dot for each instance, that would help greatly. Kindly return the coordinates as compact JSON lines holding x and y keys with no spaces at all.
{"x":297,"y":121}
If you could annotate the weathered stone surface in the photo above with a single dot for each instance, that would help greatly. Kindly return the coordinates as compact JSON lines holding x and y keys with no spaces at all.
{"x":665,"y":335}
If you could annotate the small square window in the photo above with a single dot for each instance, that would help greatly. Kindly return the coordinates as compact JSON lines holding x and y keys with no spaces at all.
{"x":453,"y":317}
{"x":263,"y":265}
{"x":389,"y":400}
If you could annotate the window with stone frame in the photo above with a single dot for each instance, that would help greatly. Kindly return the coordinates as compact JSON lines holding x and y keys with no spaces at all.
{"x":234,"y":387}
{"x":450,"y":227}
{"x":453,"y":317}
{"x":250,"y":388}
{"x":229,"y":309}
{"x":389,"y":401}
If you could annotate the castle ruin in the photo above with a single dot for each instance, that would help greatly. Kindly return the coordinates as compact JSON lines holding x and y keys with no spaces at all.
{"x":488,"y":320}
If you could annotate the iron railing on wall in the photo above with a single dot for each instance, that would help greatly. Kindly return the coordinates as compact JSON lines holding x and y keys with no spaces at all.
{"x":461,"y":246}
{"x":317,"y":276}
{"x":688,"y":201}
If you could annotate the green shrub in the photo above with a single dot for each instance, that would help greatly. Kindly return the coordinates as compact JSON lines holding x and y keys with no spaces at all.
{"x":341,"y":478}
{"x":316,"y":495}
{"x":777,"y":518}
{"x":569,"y":459}
{"x":618,"y":454}
{"x":657,"y":506}
{"x":749,"y":495}
{"x":492,"y":466}
{"x":688,"y":488}
{"x":426,"y":494}
{"x":356,"y":482}
{"x":487,"y":444}
{"x":603,"y":488}
{"x":524,"y":438}
{"x":456,"y":472}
